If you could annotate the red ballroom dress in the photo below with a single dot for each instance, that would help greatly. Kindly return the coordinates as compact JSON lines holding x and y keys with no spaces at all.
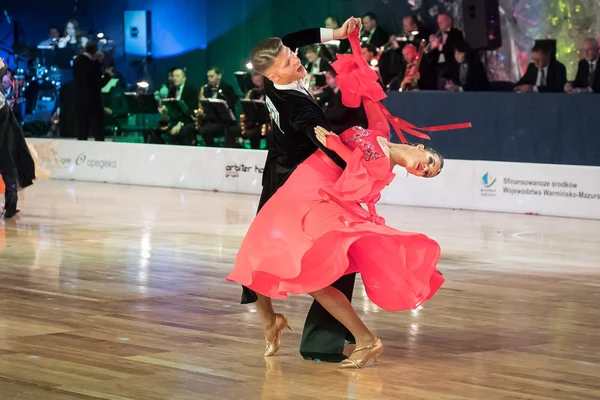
{"x":322,"y":224}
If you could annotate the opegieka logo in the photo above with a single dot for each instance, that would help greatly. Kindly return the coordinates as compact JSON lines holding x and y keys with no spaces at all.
{"x":234,"y":170}
{"x":92,"y":163}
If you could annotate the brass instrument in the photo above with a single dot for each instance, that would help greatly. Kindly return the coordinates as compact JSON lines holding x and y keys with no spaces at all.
{"x":440,"y":36}
{"x":198,"y":114}
{"x":243,"y":124}
{"x":411,"y":78}
{"x":264,"y":129}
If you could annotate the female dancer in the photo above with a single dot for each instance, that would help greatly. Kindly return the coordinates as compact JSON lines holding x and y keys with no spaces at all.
{"x":314,"y":229}
{"x":17,"y":166}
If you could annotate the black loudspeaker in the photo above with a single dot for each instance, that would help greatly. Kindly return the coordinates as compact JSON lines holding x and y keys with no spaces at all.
{"x":482,"y":24}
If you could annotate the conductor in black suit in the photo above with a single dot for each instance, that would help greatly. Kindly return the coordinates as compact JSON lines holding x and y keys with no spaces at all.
{"x":544,"y":74}
{"x":295,"y":116}
{"x":87,"y":73}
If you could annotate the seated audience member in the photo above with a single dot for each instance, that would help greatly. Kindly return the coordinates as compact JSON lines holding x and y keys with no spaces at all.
{"x":587,"y":79}
{"x":468,"y":74}
{"x":544,"y":74}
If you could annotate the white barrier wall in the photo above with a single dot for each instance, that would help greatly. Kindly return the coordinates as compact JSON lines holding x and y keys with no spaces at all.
{"x":561,"y":190}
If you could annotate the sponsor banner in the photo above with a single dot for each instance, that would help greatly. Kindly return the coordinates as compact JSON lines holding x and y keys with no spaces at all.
{"x":242,"y":171}
{"x":561,"y":190}
{"x":452,"y":188}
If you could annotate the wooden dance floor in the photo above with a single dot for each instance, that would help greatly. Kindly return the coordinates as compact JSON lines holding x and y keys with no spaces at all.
{"x":118,"y":292}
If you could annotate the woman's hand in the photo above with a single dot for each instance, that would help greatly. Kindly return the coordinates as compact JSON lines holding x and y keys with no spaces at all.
{"x":322,"y":134}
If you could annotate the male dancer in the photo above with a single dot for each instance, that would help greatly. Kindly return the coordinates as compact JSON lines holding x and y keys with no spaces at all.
{"x":296,"y":115}
{"x":16,"y":165}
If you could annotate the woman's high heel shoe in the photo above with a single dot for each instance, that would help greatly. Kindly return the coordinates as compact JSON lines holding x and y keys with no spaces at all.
{"x":281,"y":323}
{"x":375,"y":351}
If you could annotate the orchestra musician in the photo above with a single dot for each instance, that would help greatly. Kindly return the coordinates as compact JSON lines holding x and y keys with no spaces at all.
{"x":415,"y":75}
{"x":251,"y":130}
{"x":52,"y":39}
{"x":440,"y":50}
{"x":339,"y":116}
{"x":170,"y":131}
{"x":372,"y":33}
{"x":336,"y":46}
{"x":316,"y":64}
{"x":216,"y":88}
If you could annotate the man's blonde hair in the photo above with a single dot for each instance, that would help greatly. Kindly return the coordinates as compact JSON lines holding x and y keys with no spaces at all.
{"x":263,"y":55}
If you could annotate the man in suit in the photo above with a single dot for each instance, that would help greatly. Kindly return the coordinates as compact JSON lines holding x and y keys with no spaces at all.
{"x":544,"y":74}
{"x":588,"y":73}
{"x":338,"y":115}
{"x":87,"y":74}
{"x":172,"y":131}
{"x":295,"y":116}
{"x":315,"y":64}
{"x":441,"y":45}
{"x":372,"y":33}
{"x":218,"y":89}
{"x":427,"y":75}
{"x":336,"y":46}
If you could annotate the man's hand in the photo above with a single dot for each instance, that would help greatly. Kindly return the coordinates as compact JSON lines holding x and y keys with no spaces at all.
{"x":568,"y":87}
{"x":524,"y":88}
{"x":1,"y":62}
{"x":176,"y":129}
{"x":348,"y":27}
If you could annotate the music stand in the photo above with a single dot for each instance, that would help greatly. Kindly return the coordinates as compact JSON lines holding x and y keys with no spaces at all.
{"x":216,"y":110}
{"x":256,"y":111}
{"x":141,"y":104}
{"x":178,"y":110}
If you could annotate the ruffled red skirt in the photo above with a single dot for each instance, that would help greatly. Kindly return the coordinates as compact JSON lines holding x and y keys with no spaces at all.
{"x":309,"y":234}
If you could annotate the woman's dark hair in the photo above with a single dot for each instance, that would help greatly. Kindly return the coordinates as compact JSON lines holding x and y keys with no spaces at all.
{"x":435,"y":152}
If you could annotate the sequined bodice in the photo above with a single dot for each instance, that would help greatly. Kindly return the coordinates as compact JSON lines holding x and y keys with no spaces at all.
{"x":364,"y":139}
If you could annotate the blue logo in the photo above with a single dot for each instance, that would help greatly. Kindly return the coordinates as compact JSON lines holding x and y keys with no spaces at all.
{"x":488,"y":180}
